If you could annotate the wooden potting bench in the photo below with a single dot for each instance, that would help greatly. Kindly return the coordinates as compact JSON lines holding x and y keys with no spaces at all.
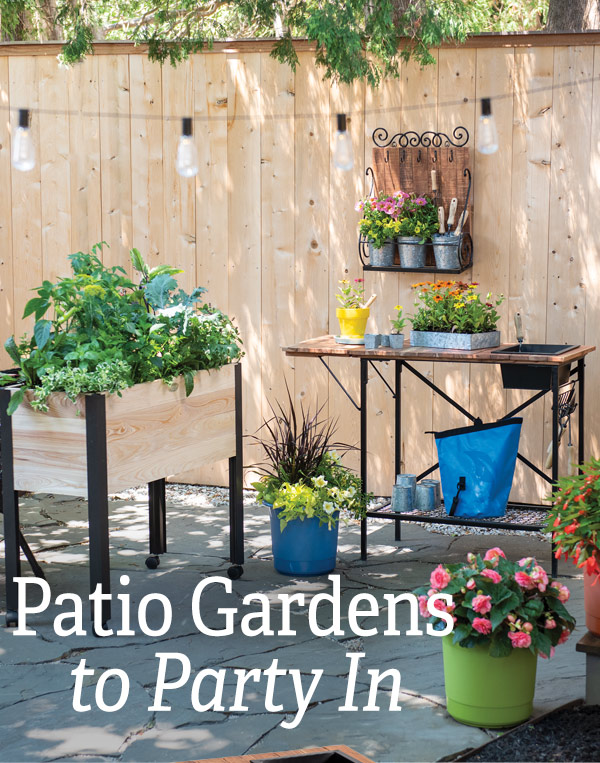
{"x":567,"y":365}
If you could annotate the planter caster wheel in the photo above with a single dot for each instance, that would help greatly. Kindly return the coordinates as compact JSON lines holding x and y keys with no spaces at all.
{"x":235,"y":571}
{"x":152,"y":562}
{"x":12,"y":618}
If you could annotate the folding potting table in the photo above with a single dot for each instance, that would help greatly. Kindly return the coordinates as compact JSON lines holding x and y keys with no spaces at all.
{"x":77,"y":461}
{"x":567,"y":365}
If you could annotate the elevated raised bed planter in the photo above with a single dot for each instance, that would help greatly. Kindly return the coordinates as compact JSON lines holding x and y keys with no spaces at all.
{"x":106,"y":443}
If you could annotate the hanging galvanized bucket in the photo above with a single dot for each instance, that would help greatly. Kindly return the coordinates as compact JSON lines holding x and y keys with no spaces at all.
{"x":412,"y":252}
{"x":383,"y":257}
{"x":447,"y":251}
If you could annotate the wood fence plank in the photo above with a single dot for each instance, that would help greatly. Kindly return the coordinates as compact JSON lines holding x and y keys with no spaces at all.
{"x":491,"y":210}
{"x":457,"y":90}
{"x":115,"y":159}
{"x":570,"y":227}
{"x":147,"y":192}
{"x":278,"y":229}
{"x":528,"y":258}
{"x":55,"y":159}
{"x":345,"y":188}
{"x":311,"y":295}
{"x":419,"y":113}
{"x":26,"y":195}
{"x":382,"y":107}
{"x":179,"y":192}
{"x":243,"y":151}
{"x":7,"y":314}
{"x":84,"y":138}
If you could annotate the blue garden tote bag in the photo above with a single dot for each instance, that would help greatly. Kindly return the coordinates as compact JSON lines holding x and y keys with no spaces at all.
{"x":477,"y":466}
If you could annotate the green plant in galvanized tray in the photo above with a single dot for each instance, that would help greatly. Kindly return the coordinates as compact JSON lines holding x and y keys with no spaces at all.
{"x":98,"y":331}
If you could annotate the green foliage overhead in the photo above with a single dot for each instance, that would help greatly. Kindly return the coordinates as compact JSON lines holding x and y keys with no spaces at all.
{"x":354,"y":39}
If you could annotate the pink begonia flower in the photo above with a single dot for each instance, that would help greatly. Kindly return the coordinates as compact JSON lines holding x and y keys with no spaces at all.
{"x":471,"y":557}
{"x":511,"y":618}
{"x":527,"y":627}
{"x":482,"y":625}
{"x":423,"y":607}
{"x":525,"y":561}
{"x":440,"y":605}
{"x":520,"y":640}
{"x":494,"y":576}
{"x":471,"y":584}
{"x":552,"y":651}
{"x":493,"y":554}
{"x":524,"y":580}
{"x":538,"y":574}
{"x":550,"y":624}
{"x":564,"y":636}
{"x":440,"y":577}
{"x":563,"y":594}
{"x":482,"y":604}
{"x":431,"y":592}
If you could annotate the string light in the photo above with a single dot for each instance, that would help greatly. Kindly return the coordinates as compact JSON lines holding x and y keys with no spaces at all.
{"x":487,"y":134}
{"x":342,"y":146}
{"x":23,"y":150}
{"x":186,"y":163}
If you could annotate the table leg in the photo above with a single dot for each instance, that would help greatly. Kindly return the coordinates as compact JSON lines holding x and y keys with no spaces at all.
{"x":364,"y":380}
{"x":236,"y":485}
{"x":10,"y":500}
{"x":97,"y":483}
{"x":397,"y":434}
{"x":157,"y":520}
{"x":581,"y":396}
{"x":555,"y":451}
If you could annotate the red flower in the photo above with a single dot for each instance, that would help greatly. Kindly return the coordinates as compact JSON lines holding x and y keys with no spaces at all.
{"x":570,"y":529}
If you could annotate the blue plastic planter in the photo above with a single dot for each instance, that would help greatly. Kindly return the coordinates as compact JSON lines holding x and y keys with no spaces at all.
{"x":304,"y":547}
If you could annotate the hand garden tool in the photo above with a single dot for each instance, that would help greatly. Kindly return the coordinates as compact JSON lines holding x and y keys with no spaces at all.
{"x":452,"y":213}
{"x":566,"y":407}
{"x":441,"y":220}
{"x":461,"y":221}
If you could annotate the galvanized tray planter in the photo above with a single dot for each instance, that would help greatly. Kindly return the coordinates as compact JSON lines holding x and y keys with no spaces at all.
{"x":449,"y":341}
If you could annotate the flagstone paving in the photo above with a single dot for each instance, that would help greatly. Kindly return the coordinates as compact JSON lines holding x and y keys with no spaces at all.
{"x":37,"y":719}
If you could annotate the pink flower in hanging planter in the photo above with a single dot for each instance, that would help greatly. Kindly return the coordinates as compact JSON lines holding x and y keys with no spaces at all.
{"x":520,"y":640}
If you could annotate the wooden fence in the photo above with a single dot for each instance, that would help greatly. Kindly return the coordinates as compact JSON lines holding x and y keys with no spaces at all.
{"x":268,"y":225}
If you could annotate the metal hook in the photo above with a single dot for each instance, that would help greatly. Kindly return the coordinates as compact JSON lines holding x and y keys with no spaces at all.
{"x":419,"y":156}
{"x":403,"y":157}
{"x":387,"y":157}
{"x":451,"y":156}
{"x":434,"y":160}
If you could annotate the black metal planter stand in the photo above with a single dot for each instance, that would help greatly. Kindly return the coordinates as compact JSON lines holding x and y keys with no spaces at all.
{"x":396,"y":391}
{"x":97,"y":488}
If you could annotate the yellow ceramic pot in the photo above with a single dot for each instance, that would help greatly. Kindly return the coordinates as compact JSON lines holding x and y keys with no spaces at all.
{"x":353,"y":321}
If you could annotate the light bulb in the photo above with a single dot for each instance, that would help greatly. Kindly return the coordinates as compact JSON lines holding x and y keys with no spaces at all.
{"x":23,"y":150}
{"x":487,"y":134}
{"x":342,"y":146}
{"x":186,"y":163}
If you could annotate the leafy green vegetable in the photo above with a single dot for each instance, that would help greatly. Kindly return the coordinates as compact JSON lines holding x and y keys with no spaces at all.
{"x":98,"y":331}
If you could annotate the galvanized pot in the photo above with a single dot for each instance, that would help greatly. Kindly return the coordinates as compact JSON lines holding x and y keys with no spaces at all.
{"x":396,"y":341}
{"x":412,"y":252}
{"x":383,"y":257}
{"x":446,"y":250}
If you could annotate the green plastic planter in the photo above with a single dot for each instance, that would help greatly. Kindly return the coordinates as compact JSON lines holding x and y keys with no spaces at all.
{"x":485,"y":691}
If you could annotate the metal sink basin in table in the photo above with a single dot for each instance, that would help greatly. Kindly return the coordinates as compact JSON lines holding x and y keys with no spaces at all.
{"x":536,"y":376}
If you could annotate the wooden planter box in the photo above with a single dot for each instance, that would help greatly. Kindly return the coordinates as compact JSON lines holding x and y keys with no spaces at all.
{"x":152,"y":431}
{"x":106,"y":443}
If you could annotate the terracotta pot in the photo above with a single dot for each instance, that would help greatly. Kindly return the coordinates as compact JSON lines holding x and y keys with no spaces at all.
{"x":591,"y":592}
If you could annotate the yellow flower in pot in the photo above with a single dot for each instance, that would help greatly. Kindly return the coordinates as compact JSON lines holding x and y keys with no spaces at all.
{"x":353,"y":313}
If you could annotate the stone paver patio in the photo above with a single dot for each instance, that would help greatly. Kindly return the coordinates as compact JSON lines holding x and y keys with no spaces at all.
{"x":37,"y":720}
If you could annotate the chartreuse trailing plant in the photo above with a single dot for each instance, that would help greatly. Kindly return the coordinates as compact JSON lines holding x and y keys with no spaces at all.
{"x":302,"y":472}
{"x":574,"y":518}
{"x":454,"y":306}
{"x":500,"y":604}
{"x":98,"y":331}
